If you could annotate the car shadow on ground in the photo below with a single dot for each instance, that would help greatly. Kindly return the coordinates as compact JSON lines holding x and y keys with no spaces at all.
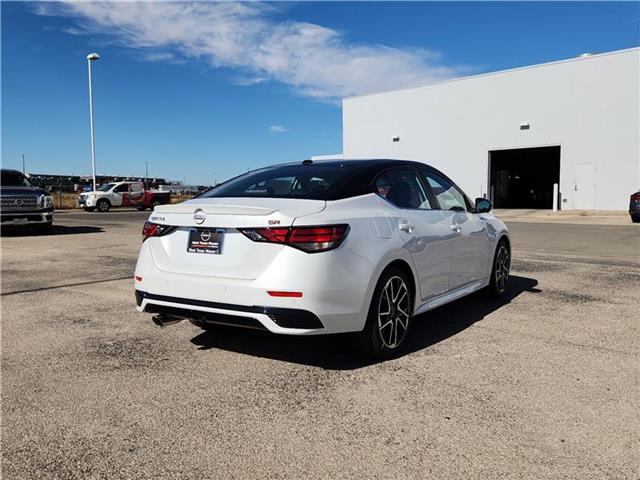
{"x":337,"y":352}
{"x":56,"y":230}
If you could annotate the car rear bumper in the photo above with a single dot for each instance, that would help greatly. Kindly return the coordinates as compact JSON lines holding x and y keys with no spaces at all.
{"x":253,"y":316}
{"x":336,"y":290}
{"x":26,"y":218}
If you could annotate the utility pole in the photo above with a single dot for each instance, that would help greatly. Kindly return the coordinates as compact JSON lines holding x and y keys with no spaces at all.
{"x":24,"y":172}
{"x":91,"y":58}
{"x":146,"y":175}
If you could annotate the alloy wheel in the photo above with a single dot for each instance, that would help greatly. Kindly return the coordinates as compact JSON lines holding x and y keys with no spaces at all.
{"x":502,"y":268}
{"x":393,"y":312}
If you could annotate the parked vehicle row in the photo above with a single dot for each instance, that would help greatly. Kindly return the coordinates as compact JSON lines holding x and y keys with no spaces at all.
{"x":122,"y":194}
{"x":22,"y":204}
{"x":322,"y":247}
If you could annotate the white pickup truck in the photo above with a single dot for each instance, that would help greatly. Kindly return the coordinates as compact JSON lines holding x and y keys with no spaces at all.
{"x":122,"y":194}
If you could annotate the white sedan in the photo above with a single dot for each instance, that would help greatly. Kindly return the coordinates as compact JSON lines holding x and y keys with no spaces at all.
{"x":321,"y":247}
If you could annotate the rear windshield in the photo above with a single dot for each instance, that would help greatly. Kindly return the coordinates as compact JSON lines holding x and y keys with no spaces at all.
{"x":14,"y":179}
{"x":315,"y":182}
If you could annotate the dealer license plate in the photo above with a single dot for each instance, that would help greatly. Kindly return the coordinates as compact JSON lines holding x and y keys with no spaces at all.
{"x":206,"y":240}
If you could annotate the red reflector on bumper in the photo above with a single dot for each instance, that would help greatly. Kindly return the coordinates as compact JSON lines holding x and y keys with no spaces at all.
{"x":285,"y":294}
{"x":138,"y":278}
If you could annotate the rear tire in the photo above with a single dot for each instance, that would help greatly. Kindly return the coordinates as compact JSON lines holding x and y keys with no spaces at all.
{"x":635,"y":218}
{"x":389,"y":316}
{"x":103,"y":205}
{"x":89,"y":209}
{"x":141,"y":209}
{"x":500,"y":270}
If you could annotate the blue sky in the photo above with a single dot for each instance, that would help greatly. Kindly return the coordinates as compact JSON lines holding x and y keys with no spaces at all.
{"x":205,"y":91}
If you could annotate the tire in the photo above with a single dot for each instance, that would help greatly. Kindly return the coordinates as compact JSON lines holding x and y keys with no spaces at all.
{"x":89,"y":209}
{"x":500,"y":270}
{"x":45,"y":228}
{"x":384,"y":334}
{"x":141,"y":209}
{"x":635,"y":218}
{"x":103,"y":205}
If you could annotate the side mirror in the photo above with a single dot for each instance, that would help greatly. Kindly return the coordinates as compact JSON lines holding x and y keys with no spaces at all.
{"x":483,"y":205}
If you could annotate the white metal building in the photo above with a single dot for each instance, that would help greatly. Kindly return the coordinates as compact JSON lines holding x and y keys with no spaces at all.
{"x":511,"y":135}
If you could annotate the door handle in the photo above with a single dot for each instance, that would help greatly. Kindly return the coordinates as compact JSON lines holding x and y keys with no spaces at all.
{"x":455,"y":227}
{"x":405,"y":226}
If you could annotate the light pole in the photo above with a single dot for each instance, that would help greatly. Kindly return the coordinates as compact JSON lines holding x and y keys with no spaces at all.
{"x":23,"y":168}
{"x":90,"y":58}
{"x":146,"y":174}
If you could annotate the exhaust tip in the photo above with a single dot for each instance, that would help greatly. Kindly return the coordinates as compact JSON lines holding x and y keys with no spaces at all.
{"x":165,"y":320}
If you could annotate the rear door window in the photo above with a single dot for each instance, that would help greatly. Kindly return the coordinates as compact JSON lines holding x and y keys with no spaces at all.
{"x":403,"y":189}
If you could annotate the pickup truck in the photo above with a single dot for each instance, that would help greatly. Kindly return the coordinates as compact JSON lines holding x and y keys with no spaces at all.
{"x":122,"y":194}
{"x":22,"y":204}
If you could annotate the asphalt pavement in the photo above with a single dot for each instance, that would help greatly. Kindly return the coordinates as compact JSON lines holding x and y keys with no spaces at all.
{"x":540,"y":384}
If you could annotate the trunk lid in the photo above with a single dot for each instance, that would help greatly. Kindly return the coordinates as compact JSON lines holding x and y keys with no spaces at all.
{"x":240,"y":258}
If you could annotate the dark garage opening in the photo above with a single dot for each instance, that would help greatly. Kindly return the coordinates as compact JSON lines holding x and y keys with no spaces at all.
{"x":524,"y":177}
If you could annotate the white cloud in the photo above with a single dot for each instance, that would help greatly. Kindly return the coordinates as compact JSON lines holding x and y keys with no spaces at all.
{"x":278,"y":129}
{"x":160,"y":56}
{"x":249,"y":39}
{"x":73,"y":31}
{"x":166,"y":57}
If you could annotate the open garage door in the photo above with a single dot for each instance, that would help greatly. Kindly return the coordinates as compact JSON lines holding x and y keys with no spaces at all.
{"x":524,"y":177}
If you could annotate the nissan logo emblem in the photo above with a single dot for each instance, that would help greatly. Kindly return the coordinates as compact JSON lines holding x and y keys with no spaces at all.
{"x":199,"y":217}
{"x":205,"y":236}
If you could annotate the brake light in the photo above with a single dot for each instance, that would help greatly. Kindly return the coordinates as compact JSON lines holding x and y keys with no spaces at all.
{"x":308,"y":239}
{"x":635,"y":196}
{"x":151,"y":229}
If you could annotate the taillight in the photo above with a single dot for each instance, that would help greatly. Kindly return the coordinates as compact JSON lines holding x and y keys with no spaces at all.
{"x":308,"y":239}
{"x":636,"y":196}
{"x":151,"y":229}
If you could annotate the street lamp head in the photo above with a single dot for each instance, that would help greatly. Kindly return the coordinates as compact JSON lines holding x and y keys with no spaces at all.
{"x":93,"y":56}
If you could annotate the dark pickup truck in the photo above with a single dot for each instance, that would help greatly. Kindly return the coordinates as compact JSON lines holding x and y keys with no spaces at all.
{"x":22,"y":204}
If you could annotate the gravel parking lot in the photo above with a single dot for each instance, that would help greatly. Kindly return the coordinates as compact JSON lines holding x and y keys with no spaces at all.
{"x":541,"y":384}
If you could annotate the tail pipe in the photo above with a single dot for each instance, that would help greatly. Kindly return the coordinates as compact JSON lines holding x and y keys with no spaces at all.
{"x":163,"y":320}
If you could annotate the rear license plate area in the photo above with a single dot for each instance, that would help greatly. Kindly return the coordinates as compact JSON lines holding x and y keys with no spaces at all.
{"x":20,"y":221}
{"x":206,"y":240}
